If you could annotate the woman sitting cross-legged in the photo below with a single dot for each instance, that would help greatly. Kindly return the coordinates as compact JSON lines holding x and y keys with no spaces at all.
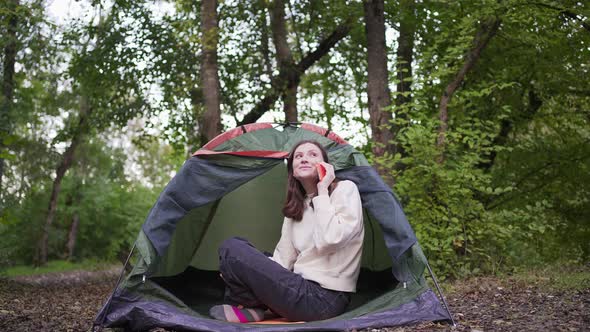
{"x":316,"y":263}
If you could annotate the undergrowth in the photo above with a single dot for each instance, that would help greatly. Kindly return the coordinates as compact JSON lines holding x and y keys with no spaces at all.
{"x":55,"y":266}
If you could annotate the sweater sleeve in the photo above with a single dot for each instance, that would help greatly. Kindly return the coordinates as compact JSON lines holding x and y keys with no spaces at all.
{"x":285,"y":254}
{"x":339,"y":217}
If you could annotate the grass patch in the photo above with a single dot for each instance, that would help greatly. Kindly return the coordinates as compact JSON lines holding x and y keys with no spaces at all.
{"x":55,"y":266}
{"x":553,"y":277}
{"x":556,"y":277}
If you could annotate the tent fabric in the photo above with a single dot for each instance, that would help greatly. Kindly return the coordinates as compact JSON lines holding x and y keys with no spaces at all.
{"x":234,"y":133}
{"x":137,"y":314}
{"x":179,"y":196}
{"x":216,"y":181}
{"x":380,"y":202}
{"x":230,"y":188}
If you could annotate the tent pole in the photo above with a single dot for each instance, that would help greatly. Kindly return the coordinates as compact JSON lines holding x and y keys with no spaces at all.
{"x":98,"y":327}
{"x":440,"y":293}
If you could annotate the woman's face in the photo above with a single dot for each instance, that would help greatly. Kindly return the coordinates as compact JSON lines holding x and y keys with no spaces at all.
{"x":305,"y":157}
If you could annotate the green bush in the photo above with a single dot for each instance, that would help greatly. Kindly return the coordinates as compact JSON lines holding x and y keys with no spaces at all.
{"x":110,"y":209}
{"x":450,"y":203}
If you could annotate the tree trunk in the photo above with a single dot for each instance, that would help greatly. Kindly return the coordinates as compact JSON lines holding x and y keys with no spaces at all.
{"x":405,"y":51}
{"x":210,"y":121}
{"x":64,"y":165}
{"x":278,"y":82}
{"x":287,"y":67}
{"x":377,"y":82}
{"x":8,"y":65}
{"x":405,"y":56}
{"x":73,"y":199}
{"x":486,"y":31}
{"x":507,"y":125}
{"x":73,"y":236}
{"x":264,"y":44}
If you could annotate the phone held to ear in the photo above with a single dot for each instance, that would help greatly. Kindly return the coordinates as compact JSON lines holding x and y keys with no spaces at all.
{"x":321,"y":171}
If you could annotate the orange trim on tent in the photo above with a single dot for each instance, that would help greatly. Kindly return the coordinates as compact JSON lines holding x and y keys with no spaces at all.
{"x":238,"y":131}
{"x":323,"y":131}
{"x":276,"y":321}
{"x":233,"y":133}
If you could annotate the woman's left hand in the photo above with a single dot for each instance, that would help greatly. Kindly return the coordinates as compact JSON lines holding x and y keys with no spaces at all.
{"x":324,"y":184}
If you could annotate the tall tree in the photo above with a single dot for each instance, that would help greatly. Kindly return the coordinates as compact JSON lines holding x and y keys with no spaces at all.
{"x":377,"y":80}
{"x":72,"y":201}
{"x":487,"y":30}
{"x":67,"y":160}
{"x":210,"y":121}
{"x":108,"y":87}
{"x":10,"y":18}
{"x":405,"y":51}
{"x":278,"y":82}
{"x":405,"y":56}
{"x":264,"y":39}
{"x":287,"y":67}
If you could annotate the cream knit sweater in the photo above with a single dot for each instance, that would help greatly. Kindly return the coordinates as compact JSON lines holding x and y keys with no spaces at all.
{"x":326,"y":245}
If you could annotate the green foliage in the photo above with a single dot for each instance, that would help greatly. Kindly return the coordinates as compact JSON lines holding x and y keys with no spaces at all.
{"x":512,"y":186}
{"x":444,"y":200}
{"x":111,"y":214}
{"x":110,"y":208}
{"x":448,"y":204}
{"x":20,"y":226}
{"x":106,"y":73}
{"x":53,"y":267}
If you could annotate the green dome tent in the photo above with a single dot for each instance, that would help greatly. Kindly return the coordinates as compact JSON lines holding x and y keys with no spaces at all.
{"x":235,"y":186}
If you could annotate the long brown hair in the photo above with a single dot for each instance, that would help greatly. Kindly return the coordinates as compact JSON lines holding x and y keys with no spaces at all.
{"x":294,"y":205}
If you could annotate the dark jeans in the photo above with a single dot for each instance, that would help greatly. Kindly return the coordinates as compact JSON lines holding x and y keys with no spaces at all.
{"x":255,"y":281}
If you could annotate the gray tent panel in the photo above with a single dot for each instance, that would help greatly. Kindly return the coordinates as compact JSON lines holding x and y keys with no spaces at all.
{"x":197,"y":183}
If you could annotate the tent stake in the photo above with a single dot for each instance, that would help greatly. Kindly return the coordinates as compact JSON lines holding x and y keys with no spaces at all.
{"x":440,"y":293}
{"x":98,"y":327}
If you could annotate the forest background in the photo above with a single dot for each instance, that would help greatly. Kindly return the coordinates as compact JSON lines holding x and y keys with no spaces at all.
{"x":475,"y":112}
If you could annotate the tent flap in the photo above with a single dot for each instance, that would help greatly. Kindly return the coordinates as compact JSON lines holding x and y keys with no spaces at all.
{"x":197,"y":183}
{"x":141,"y":314}
{"x":382,"y":204}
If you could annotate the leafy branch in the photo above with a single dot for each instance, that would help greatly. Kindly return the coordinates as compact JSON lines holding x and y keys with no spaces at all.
{"x":278,"y":82}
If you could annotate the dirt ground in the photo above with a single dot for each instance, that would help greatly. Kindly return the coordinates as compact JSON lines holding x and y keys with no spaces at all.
{"x":69,"y":301}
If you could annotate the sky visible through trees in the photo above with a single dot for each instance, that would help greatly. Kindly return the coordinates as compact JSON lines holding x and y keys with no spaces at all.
{"x":63,"y":10}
